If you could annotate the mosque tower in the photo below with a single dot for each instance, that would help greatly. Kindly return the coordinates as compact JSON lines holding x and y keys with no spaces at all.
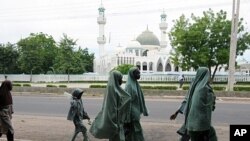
{"x":101,"y":20}
{"x":163,"y":27}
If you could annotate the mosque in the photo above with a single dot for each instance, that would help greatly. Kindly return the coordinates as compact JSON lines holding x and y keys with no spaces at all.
{"x":146,"y":51}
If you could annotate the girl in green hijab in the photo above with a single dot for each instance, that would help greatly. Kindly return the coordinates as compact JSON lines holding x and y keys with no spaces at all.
{"x":133,"y":129}
{"x":199,"y":107}
{"x":115,"y":111}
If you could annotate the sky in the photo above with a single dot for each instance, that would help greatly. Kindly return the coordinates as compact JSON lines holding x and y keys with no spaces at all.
{"x":126,"y":19}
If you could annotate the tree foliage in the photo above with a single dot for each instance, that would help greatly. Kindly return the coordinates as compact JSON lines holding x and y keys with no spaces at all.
{"x":205,"y":40}
{"x":72,"y":59}
{"x":124,"y":68}
{"x":37,"y":53}
{"x":8,"y":59}
{"x":40,"y":54}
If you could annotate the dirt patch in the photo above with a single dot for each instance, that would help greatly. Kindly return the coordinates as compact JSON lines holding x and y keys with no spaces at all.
{"x":43,"y":128}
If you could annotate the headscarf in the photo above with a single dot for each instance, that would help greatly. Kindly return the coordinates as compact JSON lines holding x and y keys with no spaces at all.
{"x":5,"y":95}
{"x":134,"y":89}
{"x":200,"y":103}
{"x":115,"y":109}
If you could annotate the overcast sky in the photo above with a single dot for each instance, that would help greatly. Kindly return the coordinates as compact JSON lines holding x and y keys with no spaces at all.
{"x":126,"y":19}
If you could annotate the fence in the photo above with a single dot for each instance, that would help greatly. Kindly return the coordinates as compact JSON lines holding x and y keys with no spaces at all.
{"x":95,"y":77}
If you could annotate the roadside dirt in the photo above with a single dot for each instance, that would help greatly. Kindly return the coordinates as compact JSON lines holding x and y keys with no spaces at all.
{"x":44,"y":128}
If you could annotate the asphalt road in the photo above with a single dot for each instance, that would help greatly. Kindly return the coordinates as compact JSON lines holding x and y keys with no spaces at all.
{"x":159,"y":109}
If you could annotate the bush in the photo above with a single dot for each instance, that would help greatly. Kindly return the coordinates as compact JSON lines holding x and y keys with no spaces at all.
{"x":160,"y":87}
{"x":62,"y":86}
{"x":16,"y":85}
{"x":219,"y":88}
{"x":185,"y":87}
{"x":166,"y":87}
{"x":97,"y":86}
{"x":241,"y":88}
{"x":26,"y":85}
{"x":147,"y":87}
{"x":49,"y":85}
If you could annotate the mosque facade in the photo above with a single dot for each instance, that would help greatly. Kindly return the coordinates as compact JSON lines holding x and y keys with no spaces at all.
{"x":146,"y":51}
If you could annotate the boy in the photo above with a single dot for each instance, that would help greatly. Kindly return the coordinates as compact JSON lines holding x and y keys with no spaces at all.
{"x":77,"y":114}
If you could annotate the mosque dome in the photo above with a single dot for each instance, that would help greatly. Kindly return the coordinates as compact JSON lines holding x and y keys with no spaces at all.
{"x":119,"y":49}
{"x":148,"y":38}
{"x":134,"y":44}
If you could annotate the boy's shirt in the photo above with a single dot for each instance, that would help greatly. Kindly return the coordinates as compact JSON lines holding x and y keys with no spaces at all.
{"x":76,"y":109}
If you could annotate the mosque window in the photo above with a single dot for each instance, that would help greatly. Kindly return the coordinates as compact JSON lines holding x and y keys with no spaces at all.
{"x":144,"y":66}
{"x":145,"y":53}
{"x":137,"y":52}
{"x":150,"y":66}
{"x":118,"y":61}
{"x":168,"y":67}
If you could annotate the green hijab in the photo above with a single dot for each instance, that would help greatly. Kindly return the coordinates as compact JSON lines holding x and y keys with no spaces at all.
{"x":200,"y":103}
{"x":138,"y":103}
{"x":115,"y":109}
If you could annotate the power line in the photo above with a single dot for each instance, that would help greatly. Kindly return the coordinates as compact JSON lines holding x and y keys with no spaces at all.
{"x":45,"y":12}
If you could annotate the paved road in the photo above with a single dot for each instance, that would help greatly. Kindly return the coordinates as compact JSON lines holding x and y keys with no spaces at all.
{"x":159,"y":109}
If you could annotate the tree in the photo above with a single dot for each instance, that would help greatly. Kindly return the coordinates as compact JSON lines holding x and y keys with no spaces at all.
{"x":124,"y":68}
{"x":8,"y":59}
{"x":87,"y":59}
{"x":64,"y":59}
{"x":205,"y":40}
{"x":37,"y":53}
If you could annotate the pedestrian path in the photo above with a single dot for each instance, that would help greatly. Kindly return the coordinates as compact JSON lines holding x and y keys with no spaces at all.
{"x":4,"y":139}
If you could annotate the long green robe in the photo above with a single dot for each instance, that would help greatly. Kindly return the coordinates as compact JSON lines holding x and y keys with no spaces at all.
{"x":138,"y":107}
{"x":115,"y":111}
{"x":200,"y":104}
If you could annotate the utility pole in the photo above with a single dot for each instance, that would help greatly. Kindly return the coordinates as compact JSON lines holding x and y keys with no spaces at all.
{"x":233,"y":45}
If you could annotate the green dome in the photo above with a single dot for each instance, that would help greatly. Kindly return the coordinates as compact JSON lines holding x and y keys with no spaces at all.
{"x":148,"y":38}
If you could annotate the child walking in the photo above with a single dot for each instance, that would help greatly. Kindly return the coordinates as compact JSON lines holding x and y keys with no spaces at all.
{"x":77,"y":114}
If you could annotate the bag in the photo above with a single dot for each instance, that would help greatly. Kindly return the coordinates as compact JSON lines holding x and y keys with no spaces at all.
{"x":185,"y":137}
{"x":184,"y":133}
{"x":85,"y":115}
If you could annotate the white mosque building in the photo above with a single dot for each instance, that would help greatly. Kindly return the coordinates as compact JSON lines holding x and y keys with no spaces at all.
{"x":147,"y":52}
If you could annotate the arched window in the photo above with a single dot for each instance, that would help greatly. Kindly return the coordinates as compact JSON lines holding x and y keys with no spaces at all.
{"x":138,"y":64}
{"x":176,"y":69}
{"x":168,"y":67}
{"x":159,"y":65}
{"x":144,"y":66}
{"x":145,"y":53}
{"x":150,"y":66}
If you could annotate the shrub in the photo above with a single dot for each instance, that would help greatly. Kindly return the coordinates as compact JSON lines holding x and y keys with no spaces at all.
{"x":241,"y":88}
{"x":147,"y":87}
{"x":16,"y":85}
{"x":165,"y":87}
{"x":219,"y":88}
{"x":49,"y":85}
{"x":160,"y":87}
{"x":97,"y":86}
{"x":26,"y":85}
{"x":63,"y":86}
{"x":185,"y":87}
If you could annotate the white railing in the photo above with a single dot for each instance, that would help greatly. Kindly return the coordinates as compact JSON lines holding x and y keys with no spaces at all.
{"x":95,"y":77}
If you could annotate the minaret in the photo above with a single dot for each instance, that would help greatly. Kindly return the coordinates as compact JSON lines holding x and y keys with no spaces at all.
{"x":163,"y":27}
{"x":101,"y":20}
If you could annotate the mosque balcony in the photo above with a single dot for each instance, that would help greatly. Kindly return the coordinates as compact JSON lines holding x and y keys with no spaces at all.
{"x":101,"y":40}
{"x":101,"y":20}
{"x":163,"y":26}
